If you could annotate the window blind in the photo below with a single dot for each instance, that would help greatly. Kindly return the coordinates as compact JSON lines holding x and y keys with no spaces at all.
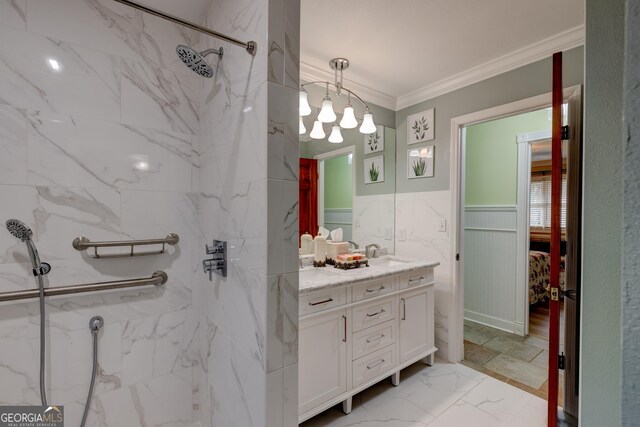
{"x":540,"y":203}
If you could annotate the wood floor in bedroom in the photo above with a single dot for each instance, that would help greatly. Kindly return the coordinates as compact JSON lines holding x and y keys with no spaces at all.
{"x":518,"y":361}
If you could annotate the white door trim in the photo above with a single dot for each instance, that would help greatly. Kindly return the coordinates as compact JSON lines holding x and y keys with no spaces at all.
{"x":330,"y":155}
{"x":458,"y":124}
{"x":524,"y":141}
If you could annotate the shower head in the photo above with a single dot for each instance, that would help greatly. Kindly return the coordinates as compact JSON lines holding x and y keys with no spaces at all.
{"x":19,"y":230}
{"x":195,"y":60}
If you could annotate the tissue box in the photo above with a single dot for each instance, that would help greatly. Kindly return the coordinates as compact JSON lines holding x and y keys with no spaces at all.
{"x":334,"y":249}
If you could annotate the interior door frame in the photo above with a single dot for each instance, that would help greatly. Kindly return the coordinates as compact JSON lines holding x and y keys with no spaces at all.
{"x":524,"y":141}
{"x":458,"y":125}
{"x":351,"y":149}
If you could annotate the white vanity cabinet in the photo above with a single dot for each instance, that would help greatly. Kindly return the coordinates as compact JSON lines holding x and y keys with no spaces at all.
{"x":416,"y":323}
{"x":322,"y":359}
{"x":355,"y":335}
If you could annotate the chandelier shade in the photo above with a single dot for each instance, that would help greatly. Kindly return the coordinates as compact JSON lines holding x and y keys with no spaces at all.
{"x":348,"y":118}
{"x":327,"y":115}
{"x":367,"y":124}
{"x":336,"y":136}
{"x":317,"y":132}
{"x":305,"y":108}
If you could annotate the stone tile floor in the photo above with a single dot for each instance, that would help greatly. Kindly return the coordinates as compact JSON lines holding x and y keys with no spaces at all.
{"x":518,"y":361}
{"x":442,"y":395}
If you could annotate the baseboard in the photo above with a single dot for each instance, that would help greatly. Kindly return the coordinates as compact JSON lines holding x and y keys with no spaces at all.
{"x":494,"y":322}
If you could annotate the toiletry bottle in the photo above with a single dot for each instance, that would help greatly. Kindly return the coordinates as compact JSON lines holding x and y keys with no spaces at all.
{"x":319,"y":251}
{"x":306,"y":244}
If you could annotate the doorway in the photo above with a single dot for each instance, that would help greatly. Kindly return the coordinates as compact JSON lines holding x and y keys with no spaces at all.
{"x":506,"y":340}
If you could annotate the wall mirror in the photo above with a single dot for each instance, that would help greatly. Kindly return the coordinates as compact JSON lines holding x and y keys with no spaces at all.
{"x":355,"y":180}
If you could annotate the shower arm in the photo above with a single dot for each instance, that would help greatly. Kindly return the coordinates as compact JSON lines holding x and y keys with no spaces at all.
{"x":251,"y":46}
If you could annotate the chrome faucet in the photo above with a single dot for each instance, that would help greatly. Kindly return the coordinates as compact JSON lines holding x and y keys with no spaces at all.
{"x":354,"y":244}
{"x":374,"y":252}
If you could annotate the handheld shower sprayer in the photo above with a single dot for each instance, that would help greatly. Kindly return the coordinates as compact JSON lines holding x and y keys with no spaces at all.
{"x":21,"y":231}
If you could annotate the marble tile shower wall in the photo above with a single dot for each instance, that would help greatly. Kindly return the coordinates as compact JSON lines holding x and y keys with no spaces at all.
{"x":249,"y":195}
{"x":98,"y":124}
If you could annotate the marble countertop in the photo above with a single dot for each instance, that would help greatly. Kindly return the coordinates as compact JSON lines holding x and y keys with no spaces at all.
{"x":314,"y":279}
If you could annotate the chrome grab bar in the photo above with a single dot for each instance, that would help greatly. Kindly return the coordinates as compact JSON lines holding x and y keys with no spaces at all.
{"x":158,"y":278}
{"x":82,"y":243}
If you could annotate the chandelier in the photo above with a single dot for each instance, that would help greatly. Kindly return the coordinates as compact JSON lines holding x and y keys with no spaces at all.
{"x":328,"y":115}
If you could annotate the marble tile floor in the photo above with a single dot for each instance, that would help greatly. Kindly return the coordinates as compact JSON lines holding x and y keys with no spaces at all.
{"x":442,"y":395}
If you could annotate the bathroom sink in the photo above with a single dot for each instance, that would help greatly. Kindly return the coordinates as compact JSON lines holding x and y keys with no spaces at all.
{"x":389,"y":261}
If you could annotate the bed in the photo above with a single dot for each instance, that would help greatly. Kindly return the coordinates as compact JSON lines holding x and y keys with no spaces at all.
{"x":539,"y":270}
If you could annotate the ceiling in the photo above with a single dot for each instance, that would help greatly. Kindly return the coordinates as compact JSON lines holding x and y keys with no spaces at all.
{"x":399,"y":48}
{"x":191,"y":10}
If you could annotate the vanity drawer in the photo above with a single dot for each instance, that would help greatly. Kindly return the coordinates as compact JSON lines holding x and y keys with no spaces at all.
{"x":322,"y":300}
{"x":373,"y":288}
{"x":369,"y":367}
{"x":373,"y":313}
{"x":373,"y":338}
{"x":415,"y":278}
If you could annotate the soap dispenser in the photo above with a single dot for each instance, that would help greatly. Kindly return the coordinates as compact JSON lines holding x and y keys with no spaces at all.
{"x":306,"y":244}
{"x":319,"y":251}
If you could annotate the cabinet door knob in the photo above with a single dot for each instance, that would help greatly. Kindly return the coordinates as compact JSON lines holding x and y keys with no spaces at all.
{"x":404,"y":309}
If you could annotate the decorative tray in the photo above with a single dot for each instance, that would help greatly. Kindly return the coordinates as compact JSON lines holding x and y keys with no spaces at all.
{"x":348,"y":265}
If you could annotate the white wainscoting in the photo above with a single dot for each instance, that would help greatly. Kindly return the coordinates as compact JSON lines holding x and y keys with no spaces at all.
{"x":339,"y":217}
{"x":493,"y":292}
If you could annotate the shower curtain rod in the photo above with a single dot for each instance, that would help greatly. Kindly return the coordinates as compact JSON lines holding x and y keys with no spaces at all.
{"x":250,"y":46}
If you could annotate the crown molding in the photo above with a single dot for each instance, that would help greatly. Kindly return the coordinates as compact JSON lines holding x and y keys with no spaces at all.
{"x":311,"y":73}
{"x":566,"y":40}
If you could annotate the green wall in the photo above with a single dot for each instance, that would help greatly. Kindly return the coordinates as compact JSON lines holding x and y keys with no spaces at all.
{"x":521,"y":83}
{"x":338,"y":183}
{"x":601,"y":294}
{"x":491,"y":157}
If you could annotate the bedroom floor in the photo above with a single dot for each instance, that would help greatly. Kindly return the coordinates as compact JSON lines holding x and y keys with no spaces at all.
{"x":518,"y":361}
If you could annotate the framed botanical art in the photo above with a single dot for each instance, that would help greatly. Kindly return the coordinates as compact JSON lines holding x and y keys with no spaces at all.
{"x":420,"y":127}
{"x":420,"y":162}
{"x":374,"y":170}
{"x":374,"y":142}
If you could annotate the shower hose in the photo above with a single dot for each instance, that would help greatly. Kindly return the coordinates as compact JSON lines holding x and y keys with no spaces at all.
{"x":94,"y":371}
{"x":43,"y":395}
{"x":94,"y":325}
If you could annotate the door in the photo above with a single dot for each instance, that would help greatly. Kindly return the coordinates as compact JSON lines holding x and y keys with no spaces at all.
{"x":416,"y":323}
{"x":308,"y":196}
{"x":322,"y":359}
{"x":573,"y":258}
